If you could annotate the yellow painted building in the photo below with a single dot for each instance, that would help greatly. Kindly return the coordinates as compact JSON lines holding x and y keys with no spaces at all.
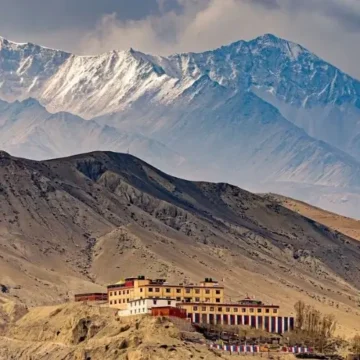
{"x":248,"y":312}
{"x":204,"y":303}
{"x":232,"y":309}
{"x":208,"y":291}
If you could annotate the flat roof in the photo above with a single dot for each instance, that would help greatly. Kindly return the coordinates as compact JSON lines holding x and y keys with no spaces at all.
{"x":228,"y":305}
{"x":89,"y":294}
{"x":153,"y":298}
{"x":185,"y":286}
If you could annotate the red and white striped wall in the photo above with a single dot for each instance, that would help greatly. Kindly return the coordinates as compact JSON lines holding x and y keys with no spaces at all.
{"x":256,"y":349}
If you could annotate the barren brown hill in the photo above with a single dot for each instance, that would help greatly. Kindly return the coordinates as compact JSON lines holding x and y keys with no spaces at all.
{"x":75,"y":224}
{"x":82,"y":332}
{"x":343,"y":224}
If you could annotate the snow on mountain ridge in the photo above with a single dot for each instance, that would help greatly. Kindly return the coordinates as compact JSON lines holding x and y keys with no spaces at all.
{"x":240,"y":108}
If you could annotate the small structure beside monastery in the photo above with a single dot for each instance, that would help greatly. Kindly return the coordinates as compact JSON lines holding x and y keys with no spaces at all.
{"x":202,"y":303}
{"x":144,"y":306}
{"x":91,"y":297}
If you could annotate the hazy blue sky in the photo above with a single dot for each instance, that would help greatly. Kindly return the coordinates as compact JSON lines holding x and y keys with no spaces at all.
{"x":331,"y":28}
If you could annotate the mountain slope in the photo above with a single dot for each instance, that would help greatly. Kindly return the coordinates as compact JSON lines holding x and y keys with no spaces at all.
{"x":251,"y":113}
{"x":347,"y":226}
{"x":307,"y":90}
{"x":101,"y":216}
{"x":27,"y":129}
{"x":246,"y":138}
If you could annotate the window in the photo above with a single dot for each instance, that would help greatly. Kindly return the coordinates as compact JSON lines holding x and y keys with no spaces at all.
{"x":251,"y":310}
{"x":127,"y":292}
{"x":110,"y":293}
{"x":115,"y":293}
{"x":135,"y":311}
{"x":168,"y":291}
{"x":197,"y":299}
{"x":115,"y":301}
{"x":187,"y":291}
{"x":195,"y":308}
{"x":123,"y":301}
{"x":178,"y":291}
{"x":243,"y":310}
{"x":130,"y":311}
{"x":169,"y":302}
{"x":207,"y":291}
{"x":124,"y":292}
{"x":235,"y":309}
{"x":217,"y":300}
{"x":154,"y":302}
{"x":259,"y":310}
{"x":203,"y":308}
{"x":141,"y":289}
{"x":178,"y":299}
{"x":127,"y":300}
{"x":110,"y":302}
{"x":219,"y":309}
{"x":150,"y":289}
{"x":275,"y":311}
{"x":157,"y":290}
{"x":207,"y":299}
{"x":197,"y":291}
{"x":217,"y":292}
{"x":212,"y":308}
{"x":267,"y":310}
{"x":227,"y":309}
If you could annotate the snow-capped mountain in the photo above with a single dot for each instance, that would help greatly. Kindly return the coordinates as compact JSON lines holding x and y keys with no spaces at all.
{"x":261,"y":112}
{"x":28,"y":130}
{"x":307,"y":90}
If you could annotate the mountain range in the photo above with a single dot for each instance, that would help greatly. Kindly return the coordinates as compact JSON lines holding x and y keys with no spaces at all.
{"x":75,"y":224}
{"x":265,"y":114}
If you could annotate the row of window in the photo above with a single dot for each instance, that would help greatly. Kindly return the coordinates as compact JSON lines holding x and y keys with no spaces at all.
{"x":167,"y":290}
{"x":142,"y":302}
{"x":235,"y":309}
{"x":124,"y":301}
{"x":179,"y":299}
{"x":178,"y":291}
{"x":124,"y":292}
{"x":137,"y":311}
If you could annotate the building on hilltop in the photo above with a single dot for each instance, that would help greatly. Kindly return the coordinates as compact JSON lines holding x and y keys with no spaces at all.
{"x":202,"y":303}
{"x":208,"y":291}
{"x":256,"y":315}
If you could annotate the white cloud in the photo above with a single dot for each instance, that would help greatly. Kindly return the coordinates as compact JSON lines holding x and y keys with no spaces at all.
{"x":323,"y":26}
{"x":330,"y":28}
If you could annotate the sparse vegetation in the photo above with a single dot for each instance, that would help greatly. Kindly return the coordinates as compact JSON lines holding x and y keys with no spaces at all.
{"x":355,"y":345}
{"x":314,"y":329}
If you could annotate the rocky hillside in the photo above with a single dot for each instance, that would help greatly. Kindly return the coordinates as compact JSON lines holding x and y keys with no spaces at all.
{"x":82,"y":332}
{"x":75,"y":224}
{"x":345,"y":225}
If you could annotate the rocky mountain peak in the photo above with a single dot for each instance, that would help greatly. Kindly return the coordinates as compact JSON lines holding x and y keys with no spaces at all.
{"x":4,"y":155}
